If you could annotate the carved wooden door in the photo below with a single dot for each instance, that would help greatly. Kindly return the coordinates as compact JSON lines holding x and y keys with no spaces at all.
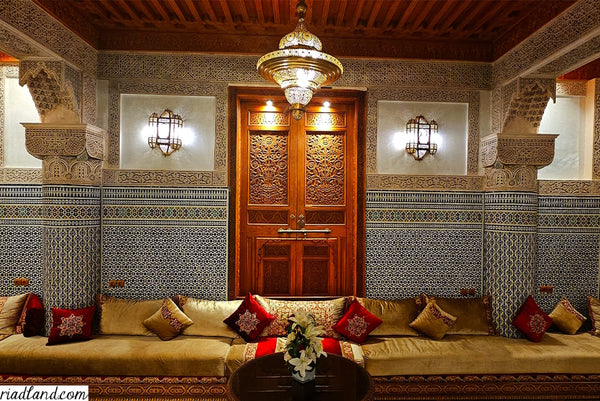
{"x":296,"y":200}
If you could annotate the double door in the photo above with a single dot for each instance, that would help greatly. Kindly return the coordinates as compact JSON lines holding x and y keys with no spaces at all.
{"x":296,"y":199}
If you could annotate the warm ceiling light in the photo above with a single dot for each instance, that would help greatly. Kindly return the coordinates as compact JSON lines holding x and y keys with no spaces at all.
{"x":326,"y":104}
{"x":299,"y":67}
{"x":166,"y":138}
{"x":270,"y":103}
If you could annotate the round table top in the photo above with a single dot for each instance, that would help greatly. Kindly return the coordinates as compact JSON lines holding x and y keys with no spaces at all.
{"x":268,"y":378}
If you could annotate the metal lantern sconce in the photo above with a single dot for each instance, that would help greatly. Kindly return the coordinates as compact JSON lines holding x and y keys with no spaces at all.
{"x":299,"y":67}
{"x":165,"y":137}
{"x":419,"y":132}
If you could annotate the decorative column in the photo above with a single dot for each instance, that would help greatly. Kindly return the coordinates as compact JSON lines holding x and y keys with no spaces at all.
{"x":511,"y":160}
{"x":72,"y":155}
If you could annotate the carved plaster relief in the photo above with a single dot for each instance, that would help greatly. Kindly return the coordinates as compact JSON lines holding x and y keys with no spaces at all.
{"x":527,"y":105}
{"x":425,"y":182}
{"x":52,"y":92}
{"x":596,"y":155}
{"x":511,"y":178}
{"x":569,"y":187}
{"x":164,"y":178}
{"x":535,"y":150}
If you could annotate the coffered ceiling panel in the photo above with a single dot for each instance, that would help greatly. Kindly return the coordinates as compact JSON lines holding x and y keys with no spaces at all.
{"x":478,"y":30}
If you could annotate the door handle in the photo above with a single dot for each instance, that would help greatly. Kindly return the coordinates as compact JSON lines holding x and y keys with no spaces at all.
{"x":302,"y":231}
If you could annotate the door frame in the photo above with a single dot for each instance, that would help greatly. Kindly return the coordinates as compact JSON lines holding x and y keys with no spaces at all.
{"x":237,"y":93}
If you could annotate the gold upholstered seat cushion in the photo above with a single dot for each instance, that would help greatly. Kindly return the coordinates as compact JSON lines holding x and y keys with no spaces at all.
{"x":594,"y":311}
{"x":478,"y":354}
{"x":125,"y":316}
{"x":115,"y":355}
{"x":208,"y":316}
{"x":473,"y":315}
{"x":395,"y":315}
{"x":10,"y":312}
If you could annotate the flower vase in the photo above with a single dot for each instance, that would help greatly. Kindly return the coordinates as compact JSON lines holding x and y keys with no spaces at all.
{"x":309,"y":375}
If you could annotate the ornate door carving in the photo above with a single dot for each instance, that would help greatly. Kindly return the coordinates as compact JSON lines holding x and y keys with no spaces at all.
{"x":296,"y":200}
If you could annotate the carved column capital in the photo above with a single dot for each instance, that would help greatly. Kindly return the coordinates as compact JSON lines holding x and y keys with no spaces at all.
{"x":71,"y":153}
{"x":511,"y":161}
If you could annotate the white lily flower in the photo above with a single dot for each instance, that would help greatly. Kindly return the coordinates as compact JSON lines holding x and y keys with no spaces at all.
{"x":301,"y":364}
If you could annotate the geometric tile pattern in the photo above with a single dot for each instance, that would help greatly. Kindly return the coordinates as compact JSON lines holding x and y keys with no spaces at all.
{"x":568,"y":250}
{"x":509,"y":254}
{"x":423,"y":242}
{"x":165,"y":241}
{"x":71,"y":244}
{"x":20,"y":238}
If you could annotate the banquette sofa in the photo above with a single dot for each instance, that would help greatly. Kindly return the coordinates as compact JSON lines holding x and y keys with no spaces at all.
{"x":416,"y":348}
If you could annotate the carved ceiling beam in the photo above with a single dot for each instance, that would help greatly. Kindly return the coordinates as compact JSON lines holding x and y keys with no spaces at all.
{"x":70,"y":153}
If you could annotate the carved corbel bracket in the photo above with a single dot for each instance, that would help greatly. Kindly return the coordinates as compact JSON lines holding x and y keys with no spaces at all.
{"x":55,"y":88}
{"x":527,"y":105}
{"x":71,"y":153}
{"x":532,"y":150}
{"x":511,"y":161}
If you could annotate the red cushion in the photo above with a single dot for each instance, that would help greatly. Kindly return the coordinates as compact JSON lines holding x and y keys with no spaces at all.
{"x":357,"y":323}
{"x":71,"y":325}
{"x":32,"y":319}
{"x":532,"y":320}
{"x":250,"y":319}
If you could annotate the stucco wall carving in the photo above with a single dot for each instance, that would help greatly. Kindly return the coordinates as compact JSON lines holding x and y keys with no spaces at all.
{"x":64,"y":140}
{"x":89,"y":100}
{"x":570,"y":88}
{"x":35,"y":30}
{"x":116,"y":177}
{"x":20,"y":175}
{"x":596,"y":156}
{"x":572,"y":59}
{"x":569,"y":187}
{"x":582,"y":19}
{"x":527,"y":105}
{"x":425,"y":182}
{"x":2,"y":113}
{"x":511,"y":178}
{"x":80,"y":170}
{"x":535,"y":150}
{"x":52,"y":85}
{"x":17,"y":45}
{"x":71,"y":154}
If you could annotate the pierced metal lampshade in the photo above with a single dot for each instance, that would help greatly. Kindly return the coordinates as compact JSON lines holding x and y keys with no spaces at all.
{"x":166,"y":125}
{"x":299,"y":67}
{"x":419,"y":130}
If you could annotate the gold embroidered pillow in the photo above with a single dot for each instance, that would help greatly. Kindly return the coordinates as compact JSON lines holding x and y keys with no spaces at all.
{"x":473,"y":315}
{"x":10,"y":312}
{"x":326,"y":313}
{"x":433,"y":321}
{"x":594,"y":310}
{"x":566,"y":317}
{"x":168,"y":321}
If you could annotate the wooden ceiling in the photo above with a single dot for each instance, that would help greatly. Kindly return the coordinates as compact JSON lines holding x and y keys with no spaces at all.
{"x":477,"y":30}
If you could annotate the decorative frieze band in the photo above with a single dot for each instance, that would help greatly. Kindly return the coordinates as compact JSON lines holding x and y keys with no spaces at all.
{"x":568,"y":187}
{"x":20,"y":175}
{"x":425,"y":182}
{"x":511,"y":178}
{"x":163,"y":178}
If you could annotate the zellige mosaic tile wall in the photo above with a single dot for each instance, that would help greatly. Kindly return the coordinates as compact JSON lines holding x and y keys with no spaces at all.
{"x":165,"y":241}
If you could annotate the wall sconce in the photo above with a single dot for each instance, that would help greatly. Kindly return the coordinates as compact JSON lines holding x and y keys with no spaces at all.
{"x":419,"y":132}
{"x":166,"y":138}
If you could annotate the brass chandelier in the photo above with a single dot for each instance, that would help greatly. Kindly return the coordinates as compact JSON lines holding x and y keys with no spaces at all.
{"x":299,"y":67}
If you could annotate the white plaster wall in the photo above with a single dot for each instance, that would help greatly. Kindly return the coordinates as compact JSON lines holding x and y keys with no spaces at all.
{"x":566,"y":118}
{"x":19,"y":108}
{"x":451,"y":157}
{"x":198,"y":144}
{"x":590,"y":128}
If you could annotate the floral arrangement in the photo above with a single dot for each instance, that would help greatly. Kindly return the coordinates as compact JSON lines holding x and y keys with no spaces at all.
{"x":302,"y":345}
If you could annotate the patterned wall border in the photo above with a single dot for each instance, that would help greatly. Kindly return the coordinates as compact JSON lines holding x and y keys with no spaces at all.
{"x":116,"y":177}
{"x":567,"y":187}
{"x":425,"y":182}
{"x":29,"y":22}
{"x":423,"y":95}
{"x":564,"y":32}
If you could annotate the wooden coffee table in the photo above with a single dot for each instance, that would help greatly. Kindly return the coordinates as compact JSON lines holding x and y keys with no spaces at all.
{"x":268,"y":378}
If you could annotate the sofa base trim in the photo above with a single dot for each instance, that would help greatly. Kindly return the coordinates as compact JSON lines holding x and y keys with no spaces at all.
{"x":137,"y":388}
{"x":489,"y":387}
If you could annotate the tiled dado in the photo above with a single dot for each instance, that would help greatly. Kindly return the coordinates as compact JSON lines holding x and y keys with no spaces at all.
{"x":510,"y":235}
{"x":20,"y":238}
{"x":165,"y":241}
{"x":423,"y":242}
{"x":71,"y":232}
{"x":568,"y":249}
